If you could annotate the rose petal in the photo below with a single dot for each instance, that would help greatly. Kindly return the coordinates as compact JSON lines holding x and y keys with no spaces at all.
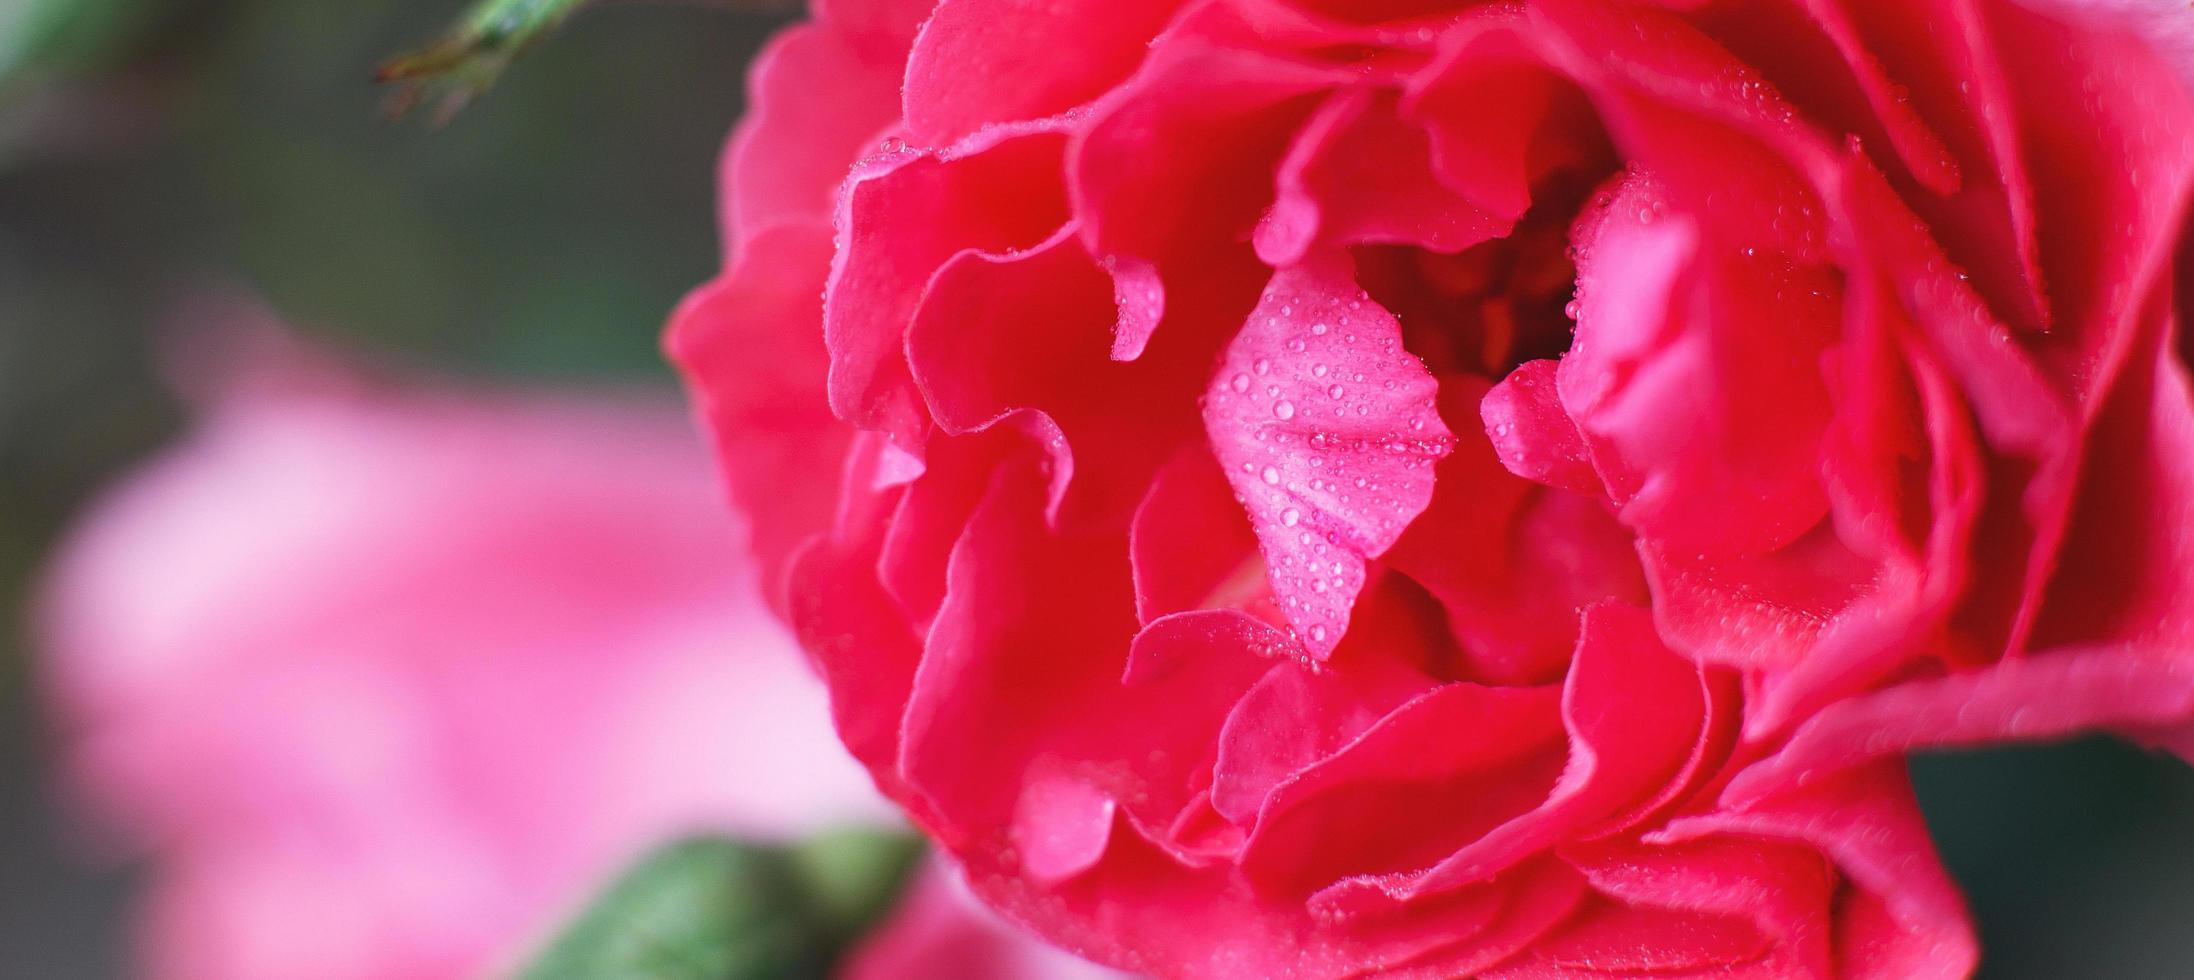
{"x":1119,"y":420}
{"x":967,"y":45}
{"x":749,"y":347}
{"x":901,"y":216}
{"x":1531,"y":433}
{"x":1868,"y":823}
{"x":1537,"y":557}
{"x":788,"y":156}
{"x":1497,"y":118}
{"x":1404,"y":793}
{"x":1359,"y":173}
{"x":1327,"y":429}
{"x":1633,"y":712}
{"x":1664,"y":318}
{"x":1190,"y":543}
{"x":1223,"y":112}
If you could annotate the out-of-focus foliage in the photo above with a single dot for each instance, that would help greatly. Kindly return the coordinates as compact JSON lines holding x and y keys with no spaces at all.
{"x":62,"y":36}
{"x":154,"y":152}
{"x":712,"y":909}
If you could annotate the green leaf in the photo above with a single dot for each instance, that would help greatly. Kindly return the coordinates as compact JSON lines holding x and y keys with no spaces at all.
{"x":850,"y":878}
{"x":713,"y":909}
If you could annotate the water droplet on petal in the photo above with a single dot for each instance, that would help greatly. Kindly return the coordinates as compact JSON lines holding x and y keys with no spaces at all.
{"x":1284,"y":410}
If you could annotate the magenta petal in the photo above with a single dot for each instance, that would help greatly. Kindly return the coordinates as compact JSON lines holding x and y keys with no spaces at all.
{"x":1541,"y":898}
{"x":1538,"y":556}
{"x":1185,"y":674}
{"x":981,"y":712}
{"x":1497,"y":117}
{"x":1140,"y":294}
{"x":1867,"y":822}
{"x":1222,"y":112}
{"x":750,"y":349}
{"x":790,"y":154}
{"x":900,"y":218}
{"x":1407,"y":790}
{"x":881,"y":25}
{"x":1058,"y":55}
{"x":1707,"y":426}
{"x":1182,"y":675}
{"x":1716,"y":902}
{"x":1107,"y":425}
{"x":1190,"y":546}
{"x":1293,"y":719}
{"x":1533,"y":435}
{"x":1633,"y":713}
{"x":1328,"y":430}
{"x":2038,"y":696}
{"x":861,"y":645}
{"x":2126,"y":571}
{"x":1060,"y":826}
{"x":1359,"y":173}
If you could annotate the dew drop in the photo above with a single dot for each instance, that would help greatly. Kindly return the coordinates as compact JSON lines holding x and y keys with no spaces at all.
{"x":1271,"y":476}
{"x":1240,"y":383}
{"x":1284,"y":410}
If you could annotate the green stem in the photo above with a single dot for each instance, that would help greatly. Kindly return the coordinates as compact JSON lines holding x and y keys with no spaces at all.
{"x":464,"y":62}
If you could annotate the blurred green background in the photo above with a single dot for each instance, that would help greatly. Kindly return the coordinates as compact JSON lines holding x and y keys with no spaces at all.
{"x":153,"y":151}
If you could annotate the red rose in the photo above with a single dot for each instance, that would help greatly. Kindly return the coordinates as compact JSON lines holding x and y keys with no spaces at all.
{"x":1425,"y":488}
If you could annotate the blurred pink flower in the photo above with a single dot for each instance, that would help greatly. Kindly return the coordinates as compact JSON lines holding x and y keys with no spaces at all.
{"x":387,"y":679}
